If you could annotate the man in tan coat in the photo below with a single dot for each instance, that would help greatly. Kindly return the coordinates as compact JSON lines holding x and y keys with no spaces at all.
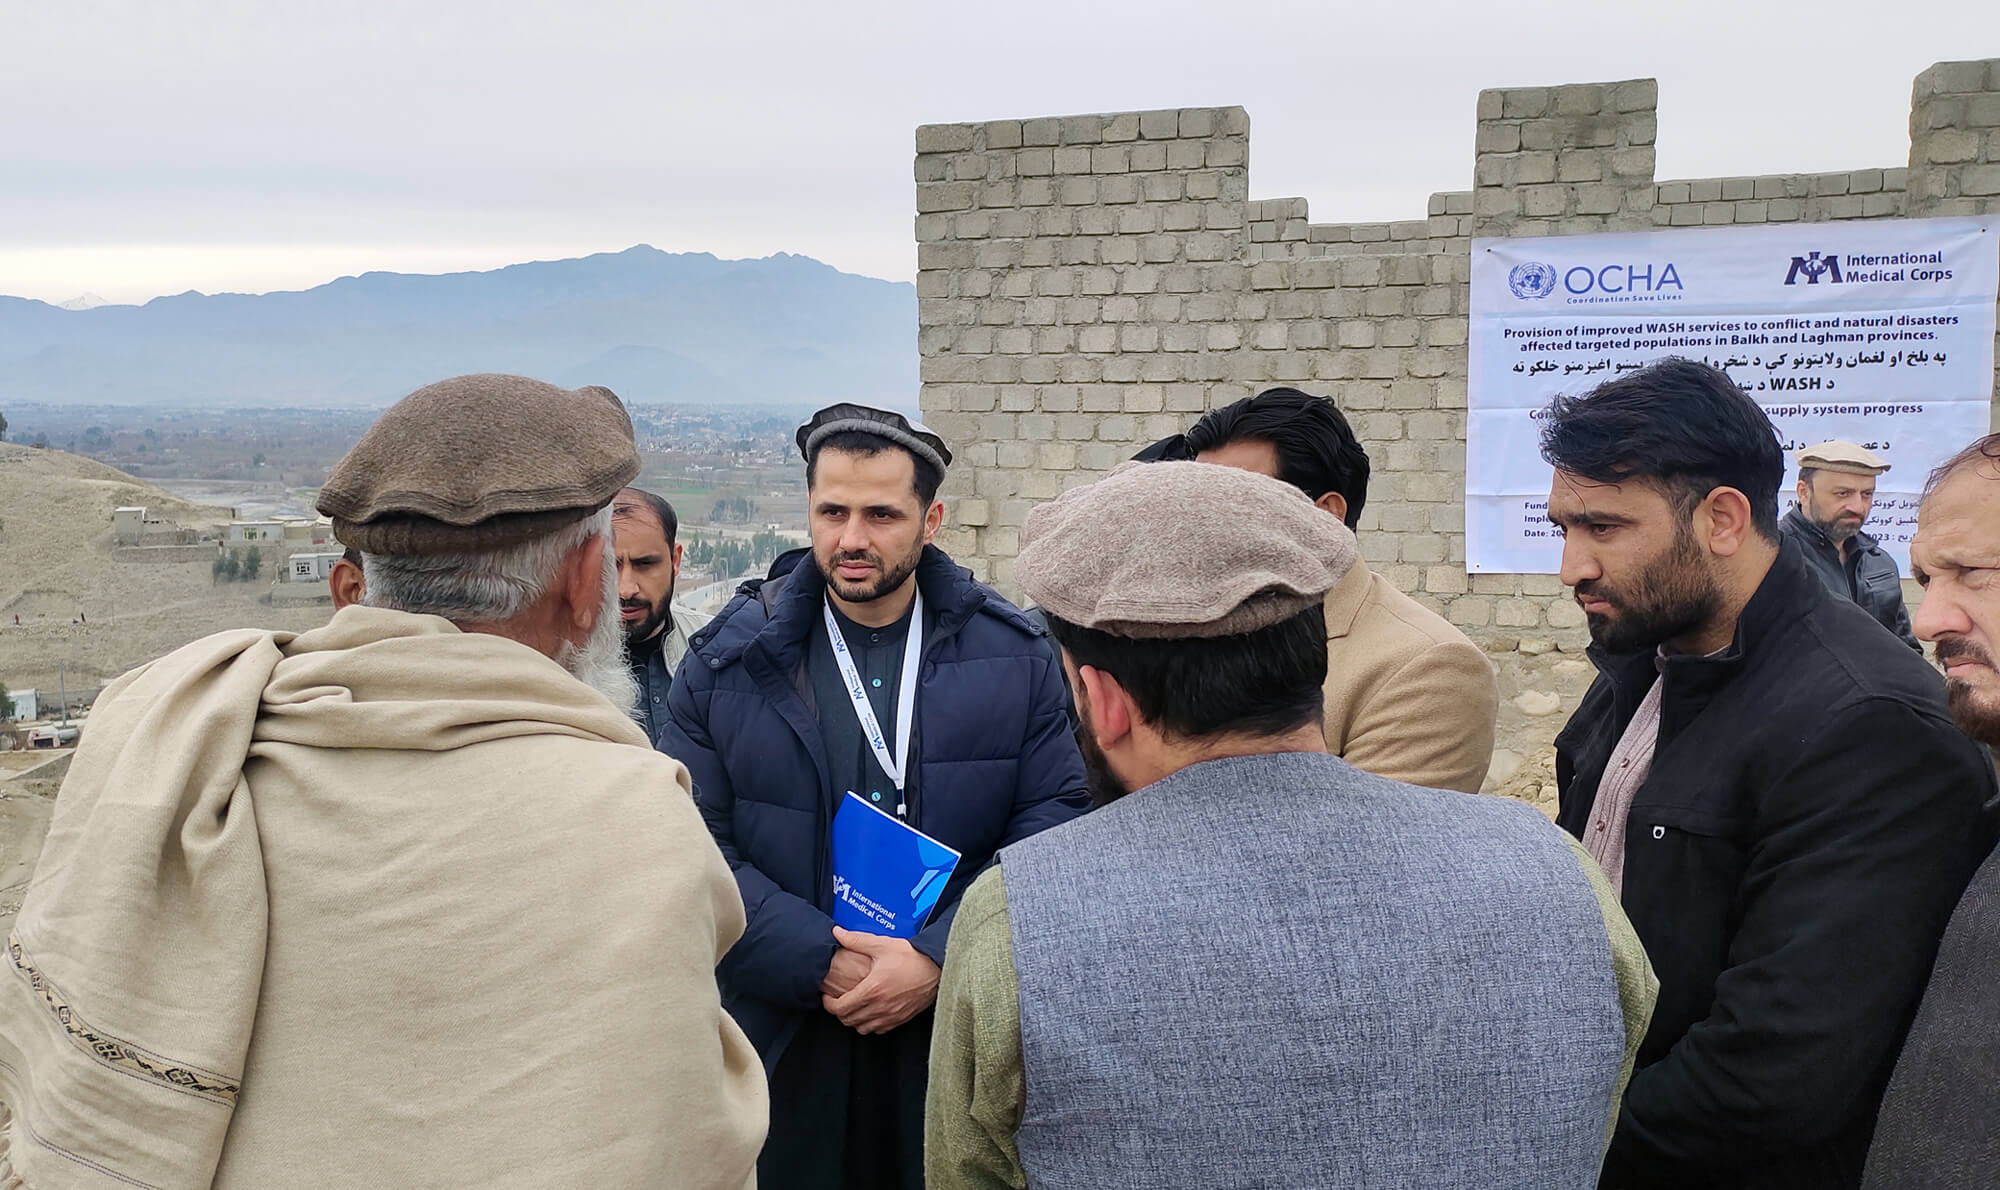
{"x":1408,"y":697}
{"x":406,"y":900}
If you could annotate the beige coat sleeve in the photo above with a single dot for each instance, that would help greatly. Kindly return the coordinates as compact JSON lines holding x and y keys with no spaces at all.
{"x":977,"y":1084}
{"x":1431,"y":722}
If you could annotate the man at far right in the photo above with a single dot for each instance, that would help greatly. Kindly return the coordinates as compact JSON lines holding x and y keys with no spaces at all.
{"x":1836,"y":491}
{"x":1775,"y":788}
{"x":1940,"y":1129}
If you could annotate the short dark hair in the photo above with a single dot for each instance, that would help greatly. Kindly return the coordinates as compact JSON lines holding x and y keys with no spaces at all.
{"x":1262,"y":683}
{"x":351,"y":556}
{"x":1985,"y":449}
{"x":1683,"y":426}
{"x":670,"y":524}
{"x":925,"y":479}
{"x":1317,"y":450}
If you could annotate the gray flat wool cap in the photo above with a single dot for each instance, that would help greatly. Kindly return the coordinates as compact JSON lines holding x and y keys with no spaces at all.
{"x":1181,"y":549}
{"x":479,"y":463}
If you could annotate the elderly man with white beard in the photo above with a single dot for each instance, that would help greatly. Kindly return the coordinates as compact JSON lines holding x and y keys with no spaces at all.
{"x":406,"y":900}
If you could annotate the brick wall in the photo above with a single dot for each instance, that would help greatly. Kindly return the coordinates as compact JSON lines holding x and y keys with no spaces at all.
{"x":1089,"y":284}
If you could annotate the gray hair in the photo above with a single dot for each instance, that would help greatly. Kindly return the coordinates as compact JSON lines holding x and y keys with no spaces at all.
{"x":483,"y":588}
{"x":1985,"y":450}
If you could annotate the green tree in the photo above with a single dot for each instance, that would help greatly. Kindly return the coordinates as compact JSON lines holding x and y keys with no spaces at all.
{"x":215,"y":570}
{"x":3,"y":427}
{"x":253,"y":564}
{"x":232,"y":564}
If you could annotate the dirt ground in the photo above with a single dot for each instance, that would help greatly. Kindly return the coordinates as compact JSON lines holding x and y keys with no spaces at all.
{"x":1541,"y":681}
{"x":26,"y":801}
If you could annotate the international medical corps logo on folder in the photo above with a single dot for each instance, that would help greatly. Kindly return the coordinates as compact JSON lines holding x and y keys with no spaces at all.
{"x":887,"y":875}
{"x":1532,"y":280}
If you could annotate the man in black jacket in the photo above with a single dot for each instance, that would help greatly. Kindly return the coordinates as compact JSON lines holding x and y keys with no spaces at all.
{"x":1775,"y":787}
{"x":1836,"y":492}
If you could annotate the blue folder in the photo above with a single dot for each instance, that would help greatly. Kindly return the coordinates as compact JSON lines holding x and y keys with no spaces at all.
{"x":887,"y":875}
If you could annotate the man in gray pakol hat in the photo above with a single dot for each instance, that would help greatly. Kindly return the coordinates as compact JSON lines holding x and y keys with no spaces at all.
{"x":403,"y":900}
{"x":875,"y":671}
{"x":1262,"y":966}
{"x":1836,"y":491}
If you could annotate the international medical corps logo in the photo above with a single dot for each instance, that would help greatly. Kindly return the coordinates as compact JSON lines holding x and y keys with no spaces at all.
{"x":1814,"y":267}
{"x":1532,"y":279}
{"x":840,"y":887}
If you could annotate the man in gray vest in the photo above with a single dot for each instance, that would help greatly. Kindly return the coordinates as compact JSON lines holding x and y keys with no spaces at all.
{"x":1263,"y":967}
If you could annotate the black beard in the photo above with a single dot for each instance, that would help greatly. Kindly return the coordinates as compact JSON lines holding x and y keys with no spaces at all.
{"x":638,"y":634}
{"x":1103,"y":784}
{"x":892,"y":576}
{"x":1672,"y":595}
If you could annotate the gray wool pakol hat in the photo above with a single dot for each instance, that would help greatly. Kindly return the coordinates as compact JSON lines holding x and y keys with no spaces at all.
{"x":912,"y":436}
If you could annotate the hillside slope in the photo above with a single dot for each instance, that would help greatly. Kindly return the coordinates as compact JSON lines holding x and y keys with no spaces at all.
{"x":86,"y":617}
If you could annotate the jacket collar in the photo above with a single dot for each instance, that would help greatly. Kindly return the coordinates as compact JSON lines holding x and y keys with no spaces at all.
{"x":1348,"y":596}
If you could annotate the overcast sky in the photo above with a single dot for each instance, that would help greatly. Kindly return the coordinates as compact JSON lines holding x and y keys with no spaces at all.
{"x":244,"y":145}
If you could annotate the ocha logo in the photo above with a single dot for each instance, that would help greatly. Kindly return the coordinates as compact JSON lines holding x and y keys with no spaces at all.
{"x":1532,"y":280}
{"x":1814,"y":266}
{"x":1628,"y":282}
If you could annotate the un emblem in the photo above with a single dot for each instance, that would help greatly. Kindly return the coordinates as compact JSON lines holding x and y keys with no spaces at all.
{"x":1532,"y":280}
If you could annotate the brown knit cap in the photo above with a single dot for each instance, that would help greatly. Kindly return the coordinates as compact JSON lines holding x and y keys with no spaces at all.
{"x":480,"y":463}
{"x":1181,"y":549}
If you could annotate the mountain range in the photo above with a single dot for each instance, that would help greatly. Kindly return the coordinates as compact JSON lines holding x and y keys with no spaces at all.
{"x":650,"y":325}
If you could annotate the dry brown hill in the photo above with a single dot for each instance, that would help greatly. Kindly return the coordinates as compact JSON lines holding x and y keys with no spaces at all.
{"x":86,"y":617}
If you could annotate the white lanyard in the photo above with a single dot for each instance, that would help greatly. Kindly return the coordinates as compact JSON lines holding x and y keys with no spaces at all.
{"x":906,"y":696}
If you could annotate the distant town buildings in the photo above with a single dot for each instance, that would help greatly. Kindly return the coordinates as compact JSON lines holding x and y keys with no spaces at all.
{"x":310,"y":568}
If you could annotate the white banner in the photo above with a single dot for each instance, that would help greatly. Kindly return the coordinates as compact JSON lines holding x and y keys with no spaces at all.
{"x":1877,"y":332}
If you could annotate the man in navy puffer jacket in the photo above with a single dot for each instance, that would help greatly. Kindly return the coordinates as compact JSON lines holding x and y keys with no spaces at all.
{"x":776,"y":735}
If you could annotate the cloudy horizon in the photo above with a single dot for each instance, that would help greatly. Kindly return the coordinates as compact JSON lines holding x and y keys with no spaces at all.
{"x":241,"y":148}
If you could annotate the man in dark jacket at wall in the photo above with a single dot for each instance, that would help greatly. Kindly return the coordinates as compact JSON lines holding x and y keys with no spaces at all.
{"x":1836,"y":492}
{"x":773,"y":719}
{"x":1775,"y":787}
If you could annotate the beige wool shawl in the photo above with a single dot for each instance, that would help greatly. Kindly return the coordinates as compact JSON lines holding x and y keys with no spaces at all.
{"x":381,"y":904}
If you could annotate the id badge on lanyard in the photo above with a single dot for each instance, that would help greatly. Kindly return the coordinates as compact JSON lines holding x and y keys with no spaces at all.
{"x":906,"y":696}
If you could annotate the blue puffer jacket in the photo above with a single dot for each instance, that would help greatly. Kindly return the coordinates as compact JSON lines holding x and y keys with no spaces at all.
{"x":996,"y":759}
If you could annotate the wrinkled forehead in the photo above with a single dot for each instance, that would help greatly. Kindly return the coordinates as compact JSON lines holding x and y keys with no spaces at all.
{"x":1959,"y":524}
